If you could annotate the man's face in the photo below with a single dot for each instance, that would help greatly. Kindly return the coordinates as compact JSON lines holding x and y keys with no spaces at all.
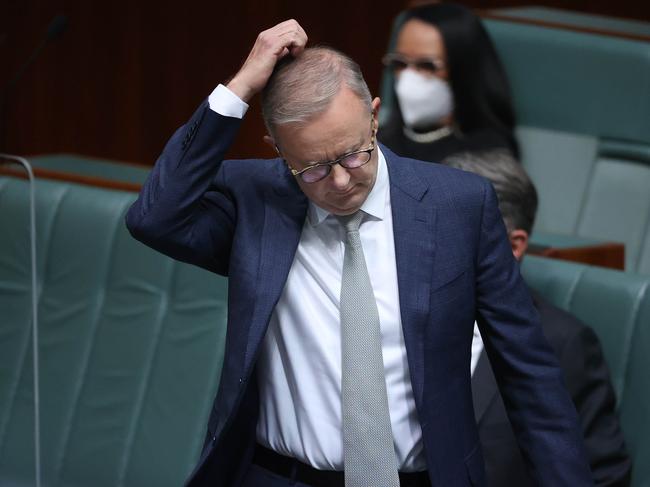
{"x":346,"y":126}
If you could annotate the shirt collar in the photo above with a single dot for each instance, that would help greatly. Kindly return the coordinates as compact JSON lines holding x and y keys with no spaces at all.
{"x":375,"y":204}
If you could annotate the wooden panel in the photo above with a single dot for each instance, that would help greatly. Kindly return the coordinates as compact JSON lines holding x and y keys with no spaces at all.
{"x":630,"y":9}
{"x":126,"y":74}
{"x":72,"y":178}
{"x":609,"y":254}
{"x":559,"y":25}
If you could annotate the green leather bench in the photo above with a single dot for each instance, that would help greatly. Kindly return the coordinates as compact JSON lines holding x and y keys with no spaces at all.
{"x":583,"y":109}
{"x":130,"y":349}
{"x":617,"y":306}
{"x":582,"y":102}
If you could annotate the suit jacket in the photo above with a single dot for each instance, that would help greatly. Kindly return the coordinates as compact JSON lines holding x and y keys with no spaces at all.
{"x":244,"y":218}
{"x":587,"y":379}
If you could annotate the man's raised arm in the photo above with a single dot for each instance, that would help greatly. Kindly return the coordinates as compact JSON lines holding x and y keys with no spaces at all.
{"x":184,"y":209}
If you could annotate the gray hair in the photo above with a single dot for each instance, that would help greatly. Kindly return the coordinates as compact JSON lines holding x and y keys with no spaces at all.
{"x":516,"y":192}
{"x":303,"y":87}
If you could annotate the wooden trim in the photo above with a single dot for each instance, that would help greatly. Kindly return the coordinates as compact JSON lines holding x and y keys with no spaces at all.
{"x":608,"y":254}
{"x":73,"y":178}
{"x":488,"y":14}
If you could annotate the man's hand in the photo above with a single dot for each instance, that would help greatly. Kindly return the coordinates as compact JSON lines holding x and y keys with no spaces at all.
{"x":271,"y":46}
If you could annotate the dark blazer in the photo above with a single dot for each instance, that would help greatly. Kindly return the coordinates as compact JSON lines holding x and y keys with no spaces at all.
{"x":587,"y":379}
{"x":244,"y":218}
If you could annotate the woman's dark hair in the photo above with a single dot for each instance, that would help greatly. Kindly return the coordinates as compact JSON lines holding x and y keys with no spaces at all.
{"x":478,"y":82}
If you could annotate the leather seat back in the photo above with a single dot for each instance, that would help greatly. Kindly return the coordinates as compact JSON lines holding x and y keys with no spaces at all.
{"x":131,"y":345}
{"x":617,"y":306}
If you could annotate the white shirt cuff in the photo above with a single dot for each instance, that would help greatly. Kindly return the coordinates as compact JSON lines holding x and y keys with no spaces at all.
{"x":226,"y":103}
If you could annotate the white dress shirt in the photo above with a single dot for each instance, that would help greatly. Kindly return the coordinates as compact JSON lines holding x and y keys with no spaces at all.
{"x":477,"y":348}
{"x":299,"y":368}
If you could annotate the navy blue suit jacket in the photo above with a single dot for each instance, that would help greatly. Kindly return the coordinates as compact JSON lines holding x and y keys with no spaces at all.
{"x":243,"y":219}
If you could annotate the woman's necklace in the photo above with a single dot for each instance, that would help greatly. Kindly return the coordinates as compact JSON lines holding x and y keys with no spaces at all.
{"x":427,"y":137}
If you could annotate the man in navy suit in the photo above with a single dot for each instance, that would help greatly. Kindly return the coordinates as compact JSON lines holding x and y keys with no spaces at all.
{"x":575,"y":344}
{"x":437,"y":258}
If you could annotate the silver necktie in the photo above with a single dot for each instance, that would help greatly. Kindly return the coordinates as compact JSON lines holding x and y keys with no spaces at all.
{"x":368,"y":449}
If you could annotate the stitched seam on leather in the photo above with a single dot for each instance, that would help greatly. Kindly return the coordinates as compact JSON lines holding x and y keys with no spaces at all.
{"x":587,"y":193}
{"x":639,"y":256}
{"x":88,"y":352}
{"x":628,"y":339}
{"x":144,"y":386}
{"x":572,"y":289}
{"x":39,"y":282}
{"x":22,"y":356}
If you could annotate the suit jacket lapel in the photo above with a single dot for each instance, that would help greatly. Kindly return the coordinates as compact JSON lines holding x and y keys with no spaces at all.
{"x":414,"y":234}
{"x":484,"y":386}
{"x":284,"y":215}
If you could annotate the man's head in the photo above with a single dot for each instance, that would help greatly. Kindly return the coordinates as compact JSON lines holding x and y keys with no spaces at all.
{"x":317,"y":108}
{"x":516,"y":193}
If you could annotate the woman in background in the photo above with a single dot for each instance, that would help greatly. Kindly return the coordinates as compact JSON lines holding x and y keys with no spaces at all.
{"x":451,"y":90}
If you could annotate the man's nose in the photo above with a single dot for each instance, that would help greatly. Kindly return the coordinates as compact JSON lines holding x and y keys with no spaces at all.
{"x":340,"y":176}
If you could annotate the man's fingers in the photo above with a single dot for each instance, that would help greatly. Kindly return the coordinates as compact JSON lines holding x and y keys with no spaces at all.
{"x":276,"y":41}
{"x":273,"y":44}
{"x":282,"y":26}
{"x":300,"y":46}
{"x":302,"y":31}
{"x":294,"y":37}
{"x":280,"y":30}
{"x":296,"y":50}
{"x":291,"y":32}
{"x":281,"y":44}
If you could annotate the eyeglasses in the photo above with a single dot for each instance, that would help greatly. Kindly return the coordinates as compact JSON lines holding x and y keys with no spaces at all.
{"x":317,"y":171}
{"x":397,"y":62}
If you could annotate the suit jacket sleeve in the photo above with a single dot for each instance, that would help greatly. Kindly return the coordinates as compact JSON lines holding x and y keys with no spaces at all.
{"x":587,"y":378}
{"x":530,"y":381}
{"x":184,"y":209}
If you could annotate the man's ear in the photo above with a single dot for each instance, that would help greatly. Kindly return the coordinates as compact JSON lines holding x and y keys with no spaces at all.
{"x":376,"y":105}
{"x":519,"y":243}
{"x":269,"y":140}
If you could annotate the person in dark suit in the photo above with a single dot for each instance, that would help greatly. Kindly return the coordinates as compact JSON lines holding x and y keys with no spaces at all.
{"x":575,"y":344}
{"x":336,"y":239}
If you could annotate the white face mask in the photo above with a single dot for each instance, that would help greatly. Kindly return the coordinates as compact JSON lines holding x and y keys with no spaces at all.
{"x":423,"y":101}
